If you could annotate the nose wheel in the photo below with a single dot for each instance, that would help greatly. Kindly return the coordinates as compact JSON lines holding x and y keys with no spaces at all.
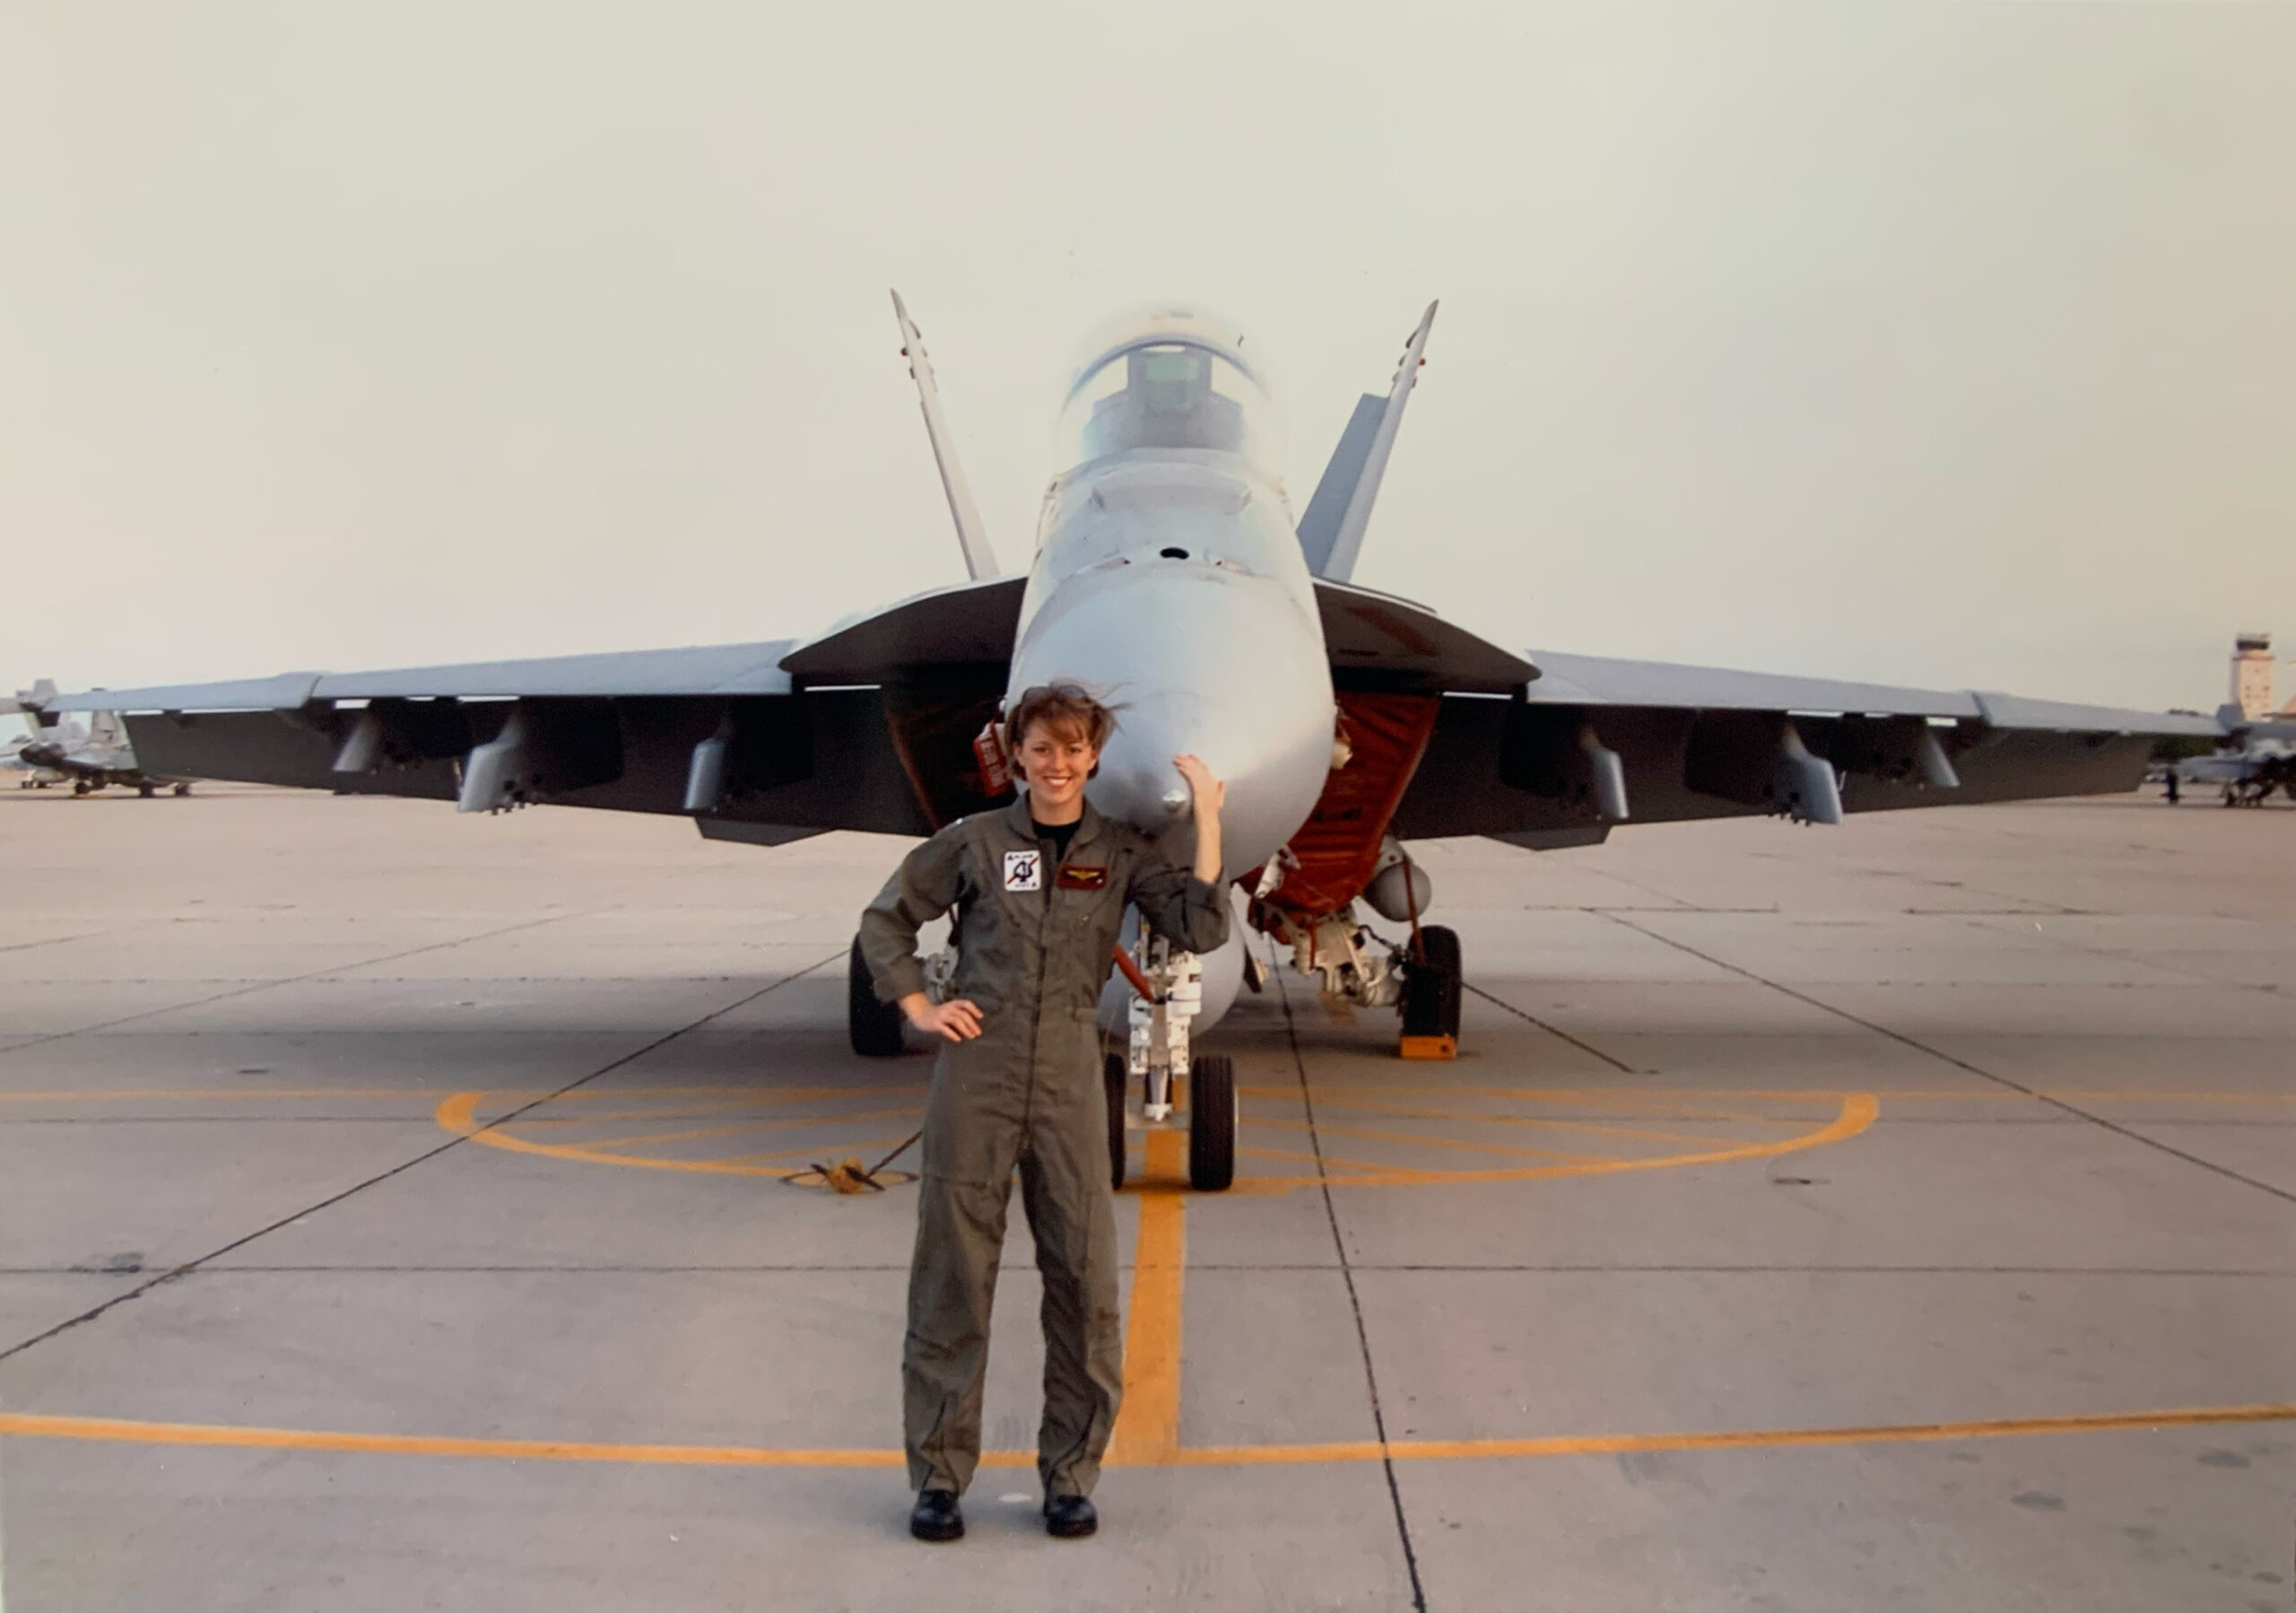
{"x":1212,"y":1117}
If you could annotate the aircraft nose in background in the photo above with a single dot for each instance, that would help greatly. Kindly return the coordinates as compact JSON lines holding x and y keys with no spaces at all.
{"x":1195,"y":658}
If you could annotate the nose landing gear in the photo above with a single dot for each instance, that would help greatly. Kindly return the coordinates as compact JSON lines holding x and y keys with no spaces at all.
{"x":1213,"y":1113}
{"x":1169,"y":993}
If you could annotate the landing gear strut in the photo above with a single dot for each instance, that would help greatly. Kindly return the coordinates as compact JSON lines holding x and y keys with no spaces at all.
{"x":1168,"y":994}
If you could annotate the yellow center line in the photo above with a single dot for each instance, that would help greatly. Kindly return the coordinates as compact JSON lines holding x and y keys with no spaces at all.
{"x":1148,"y":1421}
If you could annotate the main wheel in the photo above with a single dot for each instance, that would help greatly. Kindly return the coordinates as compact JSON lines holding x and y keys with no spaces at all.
{"x":1114,"y":1078}
{"x":1430,"y":986}
{"x":1212,"y":1123}
{"x":875,"y":1026}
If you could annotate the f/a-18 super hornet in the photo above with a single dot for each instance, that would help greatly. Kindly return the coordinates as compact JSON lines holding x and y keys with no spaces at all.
{"x":2254,"y":756}
{"x":1173,"y":576}
{"x":89,"y":755}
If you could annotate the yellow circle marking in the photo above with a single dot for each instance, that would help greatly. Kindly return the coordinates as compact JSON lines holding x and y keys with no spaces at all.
{"x":1551,"y":1145}
{"x":1147,"y":1433}
{"x":460,"y":1115}
{"x":1416,"y":1134}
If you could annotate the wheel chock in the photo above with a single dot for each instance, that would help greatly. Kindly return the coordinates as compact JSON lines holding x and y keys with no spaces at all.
{"x":1428,"y":1047}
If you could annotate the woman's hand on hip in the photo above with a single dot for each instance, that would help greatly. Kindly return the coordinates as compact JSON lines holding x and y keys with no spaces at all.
{"x":958,"y":1019}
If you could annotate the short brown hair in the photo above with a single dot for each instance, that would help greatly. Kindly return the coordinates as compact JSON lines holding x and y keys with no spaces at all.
{"x":1065,"y":709}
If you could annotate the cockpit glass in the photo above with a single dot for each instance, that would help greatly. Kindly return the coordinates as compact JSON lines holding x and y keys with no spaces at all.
{"x":1168,"y":389}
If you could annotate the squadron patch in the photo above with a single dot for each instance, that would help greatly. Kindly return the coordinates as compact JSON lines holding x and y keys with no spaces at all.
{"x":1024,"y":870}
{"x":1085,"y":878}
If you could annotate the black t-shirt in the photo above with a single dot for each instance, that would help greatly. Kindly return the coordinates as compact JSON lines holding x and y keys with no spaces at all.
{"x":1060,"y":835}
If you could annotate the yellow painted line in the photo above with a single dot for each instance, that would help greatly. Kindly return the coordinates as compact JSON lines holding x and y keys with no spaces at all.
{"x":779,"y":1123}
{"x":1752,"y":1439}
{"x":1858,"y":1111}
{"x":1148,"y":1422}
{"x":459,"y":1114}
{"x":31,"y":1427}
{"x":127,"y":1431}
{"x":1293,"y":1156}
{"x":866,"y":1146}
{"x":684,"y":1112}
{"x":1426,"y":1142}
{"x":1478,"y":1118}
{"x":133,"y":1094}
{"x":509,"y":1096}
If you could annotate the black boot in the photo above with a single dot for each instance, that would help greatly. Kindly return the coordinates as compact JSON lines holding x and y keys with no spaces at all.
{"x":1070,"y":1517}
{"x":935,"y":1517}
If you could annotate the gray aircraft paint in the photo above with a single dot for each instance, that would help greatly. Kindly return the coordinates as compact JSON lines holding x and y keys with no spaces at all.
{"x":1170,"y":581}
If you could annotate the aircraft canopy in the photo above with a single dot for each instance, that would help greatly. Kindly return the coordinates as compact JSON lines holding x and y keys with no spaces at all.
{"x":1168,"y":378}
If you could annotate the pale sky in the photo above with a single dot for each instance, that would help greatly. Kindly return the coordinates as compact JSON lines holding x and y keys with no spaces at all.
{"x":1948,"y":344}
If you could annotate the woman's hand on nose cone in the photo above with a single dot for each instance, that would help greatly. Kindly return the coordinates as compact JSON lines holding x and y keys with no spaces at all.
{"x":1209,"y":793}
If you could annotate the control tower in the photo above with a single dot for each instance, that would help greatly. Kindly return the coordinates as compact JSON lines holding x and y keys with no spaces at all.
{"x":2252,"y":674}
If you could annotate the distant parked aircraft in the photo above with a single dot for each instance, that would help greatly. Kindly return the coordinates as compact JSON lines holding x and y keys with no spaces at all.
{"x":2255,"y":757}
{"x":90,"y":753}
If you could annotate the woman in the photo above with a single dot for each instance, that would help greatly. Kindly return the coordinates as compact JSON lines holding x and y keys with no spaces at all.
{"x":1039,"y":889}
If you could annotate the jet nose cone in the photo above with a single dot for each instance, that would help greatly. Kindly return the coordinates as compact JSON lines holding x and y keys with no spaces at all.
{"x":1195,"y":660}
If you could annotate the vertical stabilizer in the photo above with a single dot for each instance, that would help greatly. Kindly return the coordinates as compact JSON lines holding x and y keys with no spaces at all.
{"x":1319,"y":526}
{"x":972,"y":536}
{"x":32,"y":704}
{"x":1347,"y":539}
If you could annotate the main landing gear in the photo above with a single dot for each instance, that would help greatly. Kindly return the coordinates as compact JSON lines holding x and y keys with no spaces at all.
{"x":1421,"y":975}
{"x":1431,"y":988}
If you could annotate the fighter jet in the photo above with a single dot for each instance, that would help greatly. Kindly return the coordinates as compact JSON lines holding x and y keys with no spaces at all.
{"x":1173,"y":576}
{"x":29,"y":775}
{"x":89,"y":754}
{"x":2253,"y":757}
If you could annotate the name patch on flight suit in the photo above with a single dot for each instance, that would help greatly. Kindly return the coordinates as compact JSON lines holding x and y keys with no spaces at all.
{"x":1024,"y":870}
{"x":1075,"y":878}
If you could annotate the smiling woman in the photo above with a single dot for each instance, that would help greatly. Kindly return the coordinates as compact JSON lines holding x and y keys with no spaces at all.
{"x":1040,"y":891}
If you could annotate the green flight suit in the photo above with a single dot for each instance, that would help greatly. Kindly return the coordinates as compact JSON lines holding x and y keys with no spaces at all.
{"x":1034,"y":944}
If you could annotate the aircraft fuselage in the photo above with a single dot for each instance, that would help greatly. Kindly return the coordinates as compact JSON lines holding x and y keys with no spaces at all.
{"x":1168,"y":579}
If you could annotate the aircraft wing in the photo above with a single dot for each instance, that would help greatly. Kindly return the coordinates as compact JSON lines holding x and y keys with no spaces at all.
{"x":762,"y":741}
{"x":1593,"y":742}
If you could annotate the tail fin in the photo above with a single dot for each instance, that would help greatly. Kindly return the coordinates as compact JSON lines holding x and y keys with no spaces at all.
{"x":972,"y":536}
{"x":32,"y":704}
{"x":1319,"y":526}
{"x":1332,"y":530}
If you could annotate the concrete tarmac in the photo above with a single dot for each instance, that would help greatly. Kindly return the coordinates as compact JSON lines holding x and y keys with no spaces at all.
{"x":396,"y":1213}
